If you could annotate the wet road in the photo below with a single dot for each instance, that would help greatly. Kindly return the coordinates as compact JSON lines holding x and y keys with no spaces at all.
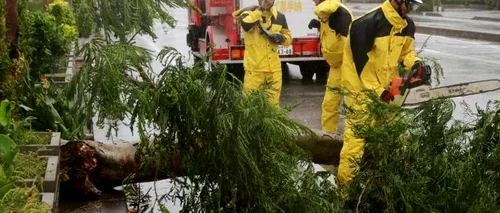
{"x":462,"y":60}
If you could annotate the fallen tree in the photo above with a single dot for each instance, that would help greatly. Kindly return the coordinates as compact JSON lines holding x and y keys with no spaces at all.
{"x":88,"y":167}
{"x":231,"y":151}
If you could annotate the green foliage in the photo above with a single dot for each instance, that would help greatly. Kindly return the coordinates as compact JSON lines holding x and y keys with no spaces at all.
{"x":23,"y":200}
{"x":247,"y":143}
{"x":30,"y":166}
{"x":4,"y":48}
{"x":8,"y":151}
{"x":19,"y":130}
{"x":50,"y":110}
{"x":6,"y":110}
{"x":26,"y":136}
{"x":9,"y":70}
{"x":246,"y":158}
{"x":423,"y":161}
{"x":129,"y":17}
{"x":32,"y":5}
{"x":44,"y":43}
{"x":84,"y":13}
{"x":493,"y":4}
{"x":61,"y":10}
{"x":46,"y":40}
{"x":10,"y":127}
{"x":103,"y":70}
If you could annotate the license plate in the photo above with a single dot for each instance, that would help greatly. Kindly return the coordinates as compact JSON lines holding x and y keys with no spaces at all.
{"x":282,"y":50}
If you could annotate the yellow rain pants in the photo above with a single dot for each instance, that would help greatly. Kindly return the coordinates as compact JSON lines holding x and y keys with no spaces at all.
{"x":335,"y":19}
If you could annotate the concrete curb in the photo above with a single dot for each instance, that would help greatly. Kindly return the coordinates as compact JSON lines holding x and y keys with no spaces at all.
{"x":458,"y":33}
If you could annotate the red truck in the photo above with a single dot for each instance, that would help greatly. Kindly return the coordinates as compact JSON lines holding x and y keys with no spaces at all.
{"x":215,"y":31}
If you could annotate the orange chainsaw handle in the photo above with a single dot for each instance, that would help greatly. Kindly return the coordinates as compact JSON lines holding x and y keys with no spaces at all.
{"x":399,"y":84}
{"x":396,"y":86}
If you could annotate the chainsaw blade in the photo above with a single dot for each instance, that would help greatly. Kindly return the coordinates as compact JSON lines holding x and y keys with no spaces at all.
{"x":424,"y":93}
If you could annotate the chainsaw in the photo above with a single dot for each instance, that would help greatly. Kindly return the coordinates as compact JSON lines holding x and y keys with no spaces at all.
{"x":411,"y":92}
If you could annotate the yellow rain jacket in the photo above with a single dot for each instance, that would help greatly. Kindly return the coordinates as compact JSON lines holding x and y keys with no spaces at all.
{"x":261,"y":55}
{"x":378,"y":42}
{"x":335,"y":19}
{"x":261,"y":61}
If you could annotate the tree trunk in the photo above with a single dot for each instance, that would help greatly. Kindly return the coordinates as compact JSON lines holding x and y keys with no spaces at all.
{"x":12,"y":24}
{"x":89,"y":166}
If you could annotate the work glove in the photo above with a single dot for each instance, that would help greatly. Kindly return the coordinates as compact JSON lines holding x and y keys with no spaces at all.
{"x":314,"y":24}
{"x":387,"y":96}
{"x":422,"y":72}
{"x":277,"y":38}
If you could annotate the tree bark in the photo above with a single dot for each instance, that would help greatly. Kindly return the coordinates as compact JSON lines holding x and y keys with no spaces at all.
{"x":87,"y":167}
{"x":12,"y":24}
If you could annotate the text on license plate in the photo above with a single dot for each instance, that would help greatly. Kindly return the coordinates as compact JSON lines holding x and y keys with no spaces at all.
{"x":282,"y":50}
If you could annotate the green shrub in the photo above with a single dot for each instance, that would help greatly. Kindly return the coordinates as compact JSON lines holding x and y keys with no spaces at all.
{"x":23,"y":200}
{"x":424,"y":161}
{"x":4,"y":47}
{"x":85,"y":18}
{"x":61,"y":10}
{"x":493,"y":4}
{"x":8,"y":152}
{"x":44,"y":43}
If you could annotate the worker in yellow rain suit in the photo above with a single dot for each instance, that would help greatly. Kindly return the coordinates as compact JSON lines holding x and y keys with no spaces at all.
{"x":333,"y":24}
{"x":378,"y":43}
{"x":265,"y":28}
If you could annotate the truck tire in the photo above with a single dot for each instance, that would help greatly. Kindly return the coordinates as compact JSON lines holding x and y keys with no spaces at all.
{"x":285,"y":73}
{"x":189,"y":40}
{"x":308,"y":69}
{"x":306,"y":72}
{"x":322,"y":71}
{"x":236,"y":70}
{"x":192,"y":37}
